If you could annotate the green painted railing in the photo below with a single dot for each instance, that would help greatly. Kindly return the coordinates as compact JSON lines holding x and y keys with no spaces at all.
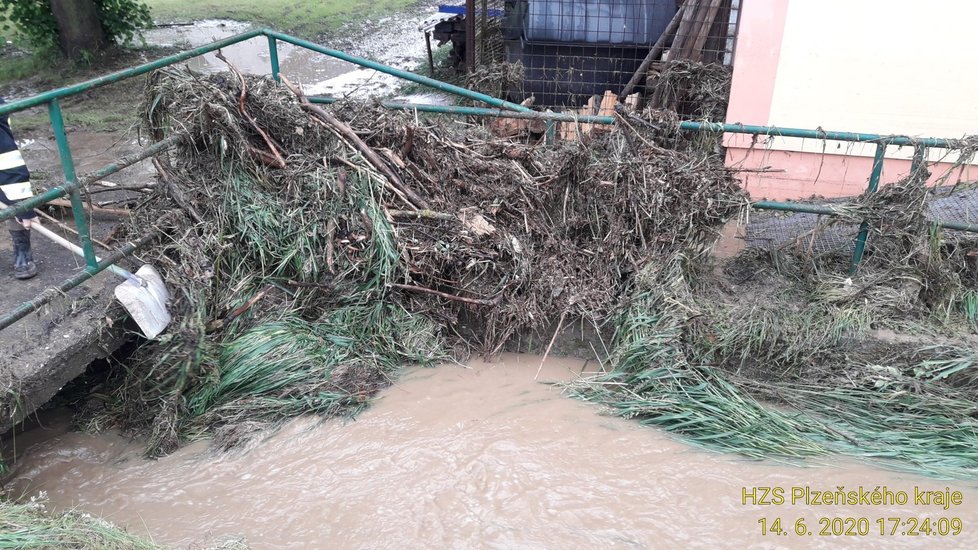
{"x":501,"y":108}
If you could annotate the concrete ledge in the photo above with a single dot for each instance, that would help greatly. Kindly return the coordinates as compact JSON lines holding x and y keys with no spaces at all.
{"x":44,"y":351}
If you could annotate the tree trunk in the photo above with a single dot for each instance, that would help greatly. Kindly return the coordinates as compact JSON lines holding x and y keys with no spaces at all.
{"x":79,"y":28}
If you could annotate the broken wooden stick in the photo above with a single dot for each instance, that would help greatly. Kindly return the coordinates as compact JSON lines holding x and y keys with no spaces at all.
{"x":278,"y":160}
{"x":218,"y":324}
{"x":64,"y":227}
{"x":553,"y":339}
{"x":91,"y":208}
{"x":654,"y":53}
{"x":427,"y":214}
{"x":176,"y":193}
{"x":476,"y":301}
{"x":142,"y":187}
{"x":347,"y":133}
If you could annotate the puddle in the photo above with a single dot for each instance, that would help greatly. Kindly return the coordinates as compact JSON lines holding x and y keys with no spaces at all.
{"x":393,"y":41}
{"x":479,"y":457}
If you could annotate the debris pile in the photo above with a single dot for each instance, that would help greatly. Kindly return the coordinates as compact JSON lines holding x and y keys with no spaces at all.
{"x":881,"y":365}
{"x":316,"y":249}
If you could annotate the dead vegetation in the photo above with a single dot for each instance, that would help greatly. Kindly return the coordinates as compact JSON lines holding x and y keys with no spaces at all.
{"x":318,"y":249}
{"x":880,"y":364}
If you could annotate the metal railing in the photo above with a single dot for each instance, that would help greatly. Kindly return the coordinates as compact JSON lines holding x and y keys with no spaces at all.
{"x":502,"y":108}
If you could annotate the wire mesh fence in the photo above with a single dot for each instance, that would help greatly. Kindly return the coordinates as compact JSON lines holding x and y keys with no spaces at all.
{"x":568,"y":51}
{"x":815,"y":234}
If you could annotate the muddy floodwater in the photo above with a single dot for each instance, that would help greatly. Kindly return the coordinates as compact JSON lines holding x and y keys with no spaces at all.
{"x":395,"y":41}
{"x":481,"y":457}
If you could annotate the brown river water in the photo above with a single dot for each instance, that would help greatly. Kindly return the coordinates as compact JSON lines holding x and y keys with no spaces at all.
{"x":478,"y":457}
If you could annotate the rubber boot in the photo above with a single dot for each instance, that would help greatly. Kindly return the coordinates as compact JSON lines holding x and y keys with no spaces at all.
{"x":24,"y":267}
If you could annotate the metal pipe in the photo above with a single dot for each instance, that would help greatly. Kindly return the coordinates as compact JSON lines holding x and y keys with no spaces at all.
{"x":107,"y":170}
{"x":68,"y":167}
{"x":874,"y":183}
{"x":957,"y":226}
{"x":551,"y":135}
{"x":406,"y":75}
{"x":685,"y":125}
{"x":78,"y":251}
{"x":273,"y":56}
{"x":40,"y":99}
{"x":431,"y":57}
{"x":819,"y":209}
{"x":50,"y":294}
{"x":827,"y":210}
{"x":818,"y":134}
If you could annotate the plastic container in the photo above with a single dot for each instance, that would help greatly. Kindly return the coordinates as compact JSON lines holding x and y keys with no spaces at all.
{"x":597,"y":21}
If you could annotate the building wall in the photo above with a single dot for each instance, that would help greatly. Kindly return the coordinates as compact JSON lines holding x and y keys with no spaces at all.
{"x":873,"y":66}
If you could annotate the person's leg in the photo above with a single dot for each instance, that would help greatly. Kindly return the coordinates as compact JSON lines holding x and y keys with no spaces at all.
{"x":24,"y":267}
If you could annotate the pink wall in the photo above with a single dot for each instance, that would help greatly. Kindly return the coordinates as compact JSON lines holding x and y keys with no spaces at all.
{"x":783,"y":175}
{"x":758,"y":48}
{"x":777,"y":174}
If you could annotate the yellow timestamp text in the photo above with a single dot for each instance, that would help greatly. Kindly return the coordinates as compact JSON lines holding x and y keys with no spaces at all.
{"x":862,"y":527}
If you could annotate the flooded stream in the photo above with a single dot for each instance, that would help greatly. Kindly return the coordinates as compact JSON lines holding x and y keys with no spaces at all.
{"x":472,"y":457}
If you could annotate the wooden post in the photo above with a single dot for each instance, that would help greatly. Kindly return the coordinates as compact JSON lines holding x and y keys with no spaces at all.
{"x":431,"y":58}
{"x":704,"y":32}
{"x":654,"y":53}
{"x":469,"y":35}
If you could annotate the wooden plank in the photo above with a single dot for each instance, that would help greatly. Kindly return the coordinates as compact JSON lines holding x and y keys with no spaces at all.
{"x":690,"y":7}
{"x":607,"y":108}
{"x":590,"y":109}
{"x":704,"y":33}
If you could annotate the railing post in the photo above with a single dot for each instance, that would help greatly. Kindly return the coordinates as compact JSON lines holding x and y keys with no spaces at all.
{"x":273,"y":56}
{"x":68,"y":166}
{"x":874,"y":183}
{"x":919,"y":156}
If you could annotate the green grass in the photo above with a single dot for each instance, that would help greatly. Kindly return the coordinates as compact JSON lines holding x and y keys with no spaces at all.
{"x":110,"y":109}
{"x":912,"y":410}
{"x":13,"y":69}
{"x":969,"y":305}
{"x":29,"y":525}
{"x":306,"y":17}
{"x":107,"y":109}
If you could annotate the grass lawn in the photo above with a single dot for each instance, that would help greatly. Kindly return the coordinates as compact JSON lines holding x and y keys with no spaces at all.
{"x":112,"y":108}
{"x":305,"y":17}
{"x":106,"y":109}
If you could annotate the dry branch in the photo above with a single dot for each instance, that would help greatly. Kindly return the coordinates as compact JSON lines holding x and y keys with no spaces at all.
{"x":475,"y":301}
{"x":350,"y":136}
{"x":277,"y":161}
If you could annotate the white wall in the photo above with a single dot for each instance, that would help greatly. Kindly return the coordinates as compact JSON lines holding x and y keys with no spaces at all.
{"x":877,"y":66}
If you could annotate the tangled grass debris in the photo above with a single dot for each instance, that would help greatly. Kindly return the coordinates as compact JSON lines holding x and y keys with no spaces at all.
{"x":315,"y":250}
{"x":312,"y":251}
{"x":31,"y":525}
{"x":879,"y":365}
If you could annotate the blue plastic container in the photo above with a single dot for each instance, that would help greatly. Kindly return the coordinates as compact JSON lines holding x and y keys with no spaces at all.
{"x":597,"y":21}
